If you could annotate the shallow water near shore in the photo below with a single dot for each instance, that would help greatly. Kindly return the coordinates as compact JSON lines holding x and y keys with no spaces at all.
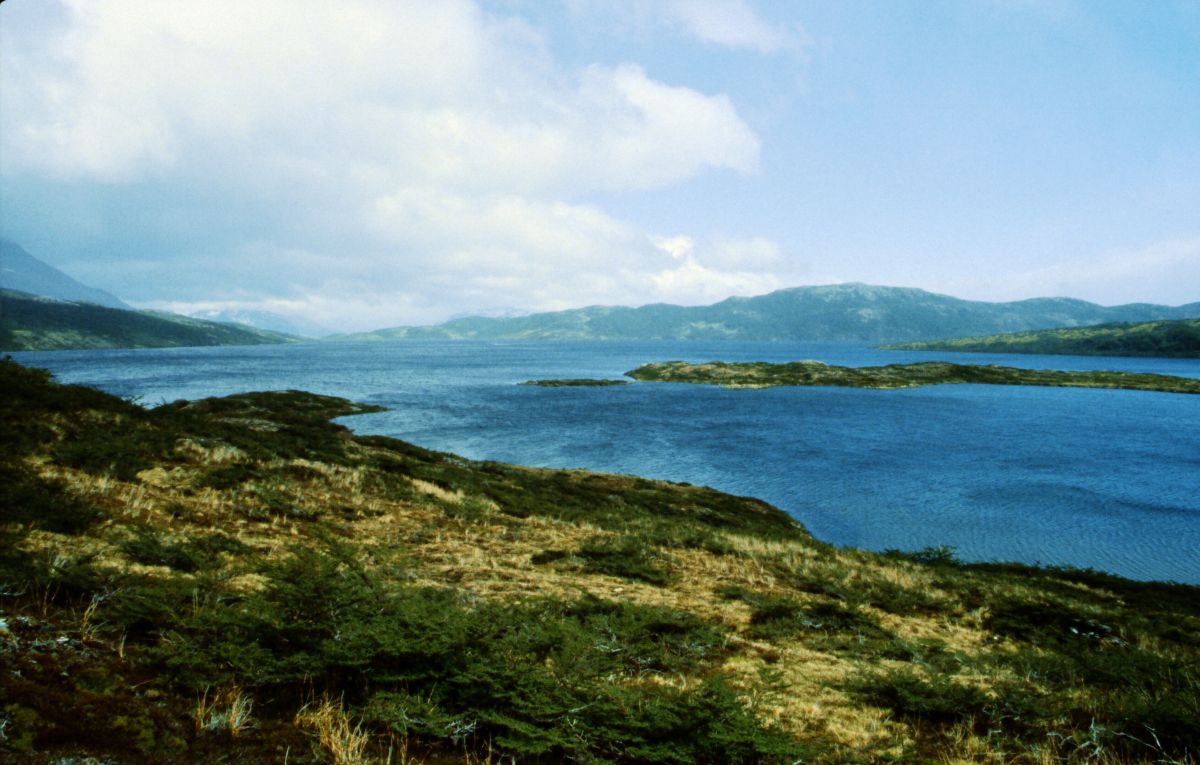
{"x":1091,"y":478}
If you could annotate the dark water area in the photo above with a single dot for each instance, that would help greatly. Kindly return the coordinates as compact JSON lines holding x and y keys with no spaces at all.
{"x":1090,"y":478}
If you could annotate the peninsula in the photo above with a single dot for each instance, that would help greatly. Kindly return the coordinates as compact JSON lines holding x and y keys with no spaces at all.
{"x":760,"y":374}
{"x":1178,"y":338}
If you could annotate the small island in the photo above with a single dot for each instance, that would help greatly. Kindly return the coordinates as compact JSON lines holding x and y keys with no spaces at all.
{"x":760,"y":374}
{"x":582,"y":382}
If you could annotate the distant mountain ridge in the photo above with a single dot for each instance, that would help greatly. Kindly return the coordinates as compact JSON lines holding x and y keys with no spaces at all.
{"x":841,"y":312}
{"x":37,"y":323}
{"x":22,"y":272}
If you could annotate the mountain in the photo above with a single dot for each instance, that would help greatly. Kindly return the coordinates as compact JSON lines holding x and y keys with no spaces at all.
{"x":1178,"y":338}
{"x":841,"y":312}
{"x":267,"y":320}
{"x":22,"y":272}
{"x":36,"y":323}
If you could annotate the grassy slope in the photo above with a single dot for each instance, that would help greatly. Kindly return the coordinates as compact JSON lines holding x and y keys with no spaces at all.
{"x":760,"y":374}
{"x":238,"y":580}
{"x":29,"y":323}
{"x":1172,"y":339}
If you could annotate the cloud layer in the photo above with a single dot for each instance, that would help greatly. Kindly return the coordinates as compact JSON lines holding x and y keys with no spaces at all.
{"x":418,"y":157}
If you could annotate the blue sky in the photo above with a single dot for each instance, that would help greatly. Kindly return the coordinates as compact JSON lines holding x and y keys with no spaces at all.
{"x":368,"y":164}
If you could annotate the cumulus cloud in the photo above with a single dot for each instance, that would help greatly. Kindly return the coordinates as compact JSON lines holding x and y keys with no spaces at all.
{"x":704,"y":273}
{"x":413,"y":157}
{"x":437,"y":91}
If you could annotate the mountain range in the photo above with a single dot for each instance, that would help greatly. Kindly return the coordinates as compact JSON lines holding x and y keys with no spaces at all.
{"x":43,"y":308}
{"x":840,"y":312}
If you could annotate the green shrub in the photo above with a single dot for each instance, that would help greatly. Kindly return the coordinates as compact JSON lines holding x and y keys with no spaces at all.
{"x":907,"y":693}
{"x":625,"y":557}
{"x":27,"y":498}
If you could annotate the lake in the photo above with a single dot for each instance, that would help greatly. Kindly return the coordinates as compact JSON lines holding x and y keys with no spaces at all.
{"x":1090,"y":478}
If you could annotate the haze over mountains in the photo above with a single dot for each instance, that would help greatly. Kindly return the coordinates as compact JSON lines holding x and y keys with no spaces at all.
{"x":268,"y":320}
{"x":22,"y":272}
{"x":41,"y":308}
{"x":842,"y":312}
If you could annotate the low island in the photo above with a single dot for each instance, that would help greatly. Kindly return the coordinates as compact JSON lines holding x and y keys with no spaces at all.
{"x":760,"y":374}
{"x":578,"y":382}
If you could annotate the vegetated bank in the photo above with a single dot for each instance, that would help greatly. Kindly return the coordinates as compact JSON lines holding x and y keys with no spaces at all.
{"x":1167,"y":339}
{"x":761,"y":374}
{"x":33,"y":323}
{"x":241,"y":580}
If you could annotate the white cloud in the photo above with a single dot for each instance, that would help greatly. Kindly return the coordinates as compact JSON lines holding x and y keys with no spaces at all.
{"x":381,"y":162}
{"x":434,"y":91}
{"x":731,"y":23}
{"x":688,"y":280}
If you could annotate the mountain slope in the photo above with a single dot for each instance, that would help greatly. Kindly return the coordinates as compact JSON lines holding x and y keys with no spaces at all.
{"x":843,"y":312}
{"x":22,"y":272}
{"x":33,"y":323}
{"x":1178,"y":339}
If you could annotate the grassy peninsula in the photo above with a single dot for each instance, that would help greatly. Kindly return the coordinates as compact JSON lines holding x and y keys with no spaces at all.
{"x":1170,"y":339}
{"x":760,"y":374}
{"x":241,"y":580}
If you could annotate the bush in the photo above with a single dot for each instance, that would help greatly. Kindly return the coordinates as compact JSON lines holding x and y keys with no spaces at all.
{"x":625,"y":557}
{"x":909,"y":694}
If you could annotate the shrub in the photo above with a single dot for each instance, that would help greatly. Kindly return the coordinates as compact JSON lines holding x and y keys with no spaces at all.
{"x":625,"y":557}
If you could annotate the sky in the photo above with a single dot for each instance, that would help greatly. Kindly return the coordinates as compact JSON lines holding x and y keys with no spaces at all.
{"x":365,"y":164}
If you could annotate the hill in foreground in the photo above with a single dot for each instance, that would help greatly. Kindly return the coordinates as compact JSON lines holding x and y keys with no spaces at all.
{"x":32,"y":323}
{"x":1170,"y":339}
{"x":840,"y":312}
{"x":240,"y":580}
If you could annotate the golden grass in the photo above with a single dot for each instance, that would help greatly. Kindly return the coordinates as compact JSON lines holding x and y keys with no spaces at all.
{"x":489,"y":556}
{"x":345,"y":742}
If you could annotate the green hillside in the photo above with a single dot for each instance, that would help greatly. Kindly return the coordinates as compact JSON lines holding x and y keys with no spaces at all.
{"x":1175,"y":339}
{"x":239,"y":580}
{"x":842,"y":312}
{"x":31,"y":323}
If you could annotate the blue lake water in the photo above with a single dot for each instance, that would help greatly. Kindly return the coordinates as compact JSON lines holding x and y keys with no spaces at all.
{"x":1091,"y":478}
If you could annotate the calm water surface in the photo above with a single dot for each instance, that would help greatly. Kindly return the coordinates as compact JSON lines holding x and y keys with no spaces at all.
{"x":1091,"y":478}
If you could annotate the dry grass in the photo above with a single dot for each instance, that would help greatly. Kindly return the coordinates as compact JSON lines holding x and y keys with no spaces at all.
{"x":228,"y":709}
{"x":346,"y":743}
